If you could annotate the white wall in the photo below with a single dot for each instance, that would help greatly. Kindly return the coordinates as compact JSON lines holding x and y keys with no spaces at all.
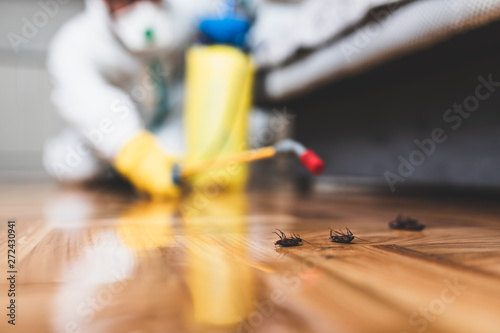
{"x":27,"y":117}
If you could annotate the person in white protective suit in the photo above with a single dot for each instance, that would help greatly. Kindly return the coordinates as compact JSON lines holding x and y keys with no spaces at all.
{"x":105,"y":64}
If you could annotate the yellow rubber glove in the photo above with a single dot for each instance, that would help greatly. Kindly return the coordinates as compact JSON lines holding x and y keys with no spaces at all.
{"x":147,"y":167}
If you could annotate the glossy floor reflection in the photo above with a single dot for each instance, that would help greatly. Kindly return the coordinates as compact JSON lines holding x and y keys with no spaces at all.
{"x":95,"y":260}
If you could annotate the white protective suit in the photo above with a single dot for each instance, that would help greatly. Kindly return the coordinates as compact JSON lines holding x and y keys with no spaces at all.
{"x":105,"y":92}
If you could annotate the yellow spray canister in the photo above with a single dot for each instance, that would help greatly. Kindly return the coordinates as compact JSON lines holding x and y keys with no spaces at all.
{"x":217,"y":101}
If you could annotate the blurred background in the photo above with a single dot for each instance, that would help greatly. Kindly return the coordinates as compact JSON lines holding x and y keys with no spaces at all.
{"x":27,"y":116}
{"x":364,"y":81}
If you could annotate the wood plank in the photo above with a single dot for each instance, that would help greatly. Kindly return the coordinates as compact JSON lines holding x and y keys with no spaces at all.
{"x":93,"y":260}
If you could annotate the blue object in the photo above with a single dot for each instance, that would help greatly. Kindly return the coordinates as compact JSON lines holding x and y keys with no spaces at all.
{"x":162,"y":107}
{"x":227,"y":30}
{"x":176,"y":174}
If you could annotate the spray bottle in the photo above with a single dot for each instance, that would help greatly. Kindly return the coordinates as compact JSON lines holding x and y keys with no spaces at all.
{"x":218,"y":97}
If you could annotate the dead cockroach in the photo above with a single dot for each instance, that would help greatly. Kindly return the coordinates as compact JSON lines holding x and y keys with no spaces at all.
{"x":341,"y":237}
{"x":294,"y":239}
{"x":406,"y":223}
{"x":295,"y":236}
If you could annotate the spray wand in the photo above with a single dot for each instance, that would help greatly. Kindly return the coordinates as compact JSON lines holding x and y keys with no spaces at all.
{"x":307,"y":157}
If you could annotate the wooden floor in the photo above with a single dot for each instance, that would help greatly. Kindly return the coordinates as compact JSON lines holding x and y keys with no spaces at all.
{"x":92,"y":260}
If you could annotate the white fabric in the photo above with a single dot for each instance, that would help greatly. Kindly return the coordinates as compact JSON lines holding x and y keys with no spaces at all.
{"x":101,"y":88}
{"x":67,"y":157}
{"x":283,"y":28}
{"x":344,"y":48}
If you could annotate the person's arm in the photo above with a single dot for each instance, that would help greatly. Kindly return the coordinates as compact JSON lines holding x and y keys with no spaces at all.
{"x":108,"y":118}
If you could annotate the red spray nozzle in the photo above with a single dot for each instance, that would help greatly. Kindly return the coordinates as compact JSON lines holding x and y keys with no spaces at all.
{"x":312,"y":162}
{"x":307,"y":157}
